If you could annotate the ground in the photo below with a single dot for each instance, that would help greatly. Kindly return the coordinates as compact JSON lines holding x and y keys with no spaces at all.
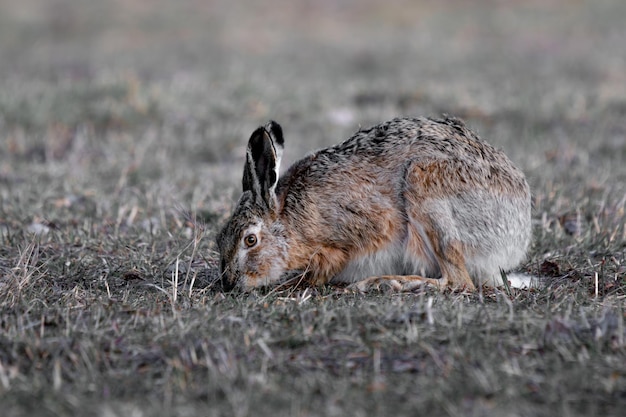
{"x":123,"y":126}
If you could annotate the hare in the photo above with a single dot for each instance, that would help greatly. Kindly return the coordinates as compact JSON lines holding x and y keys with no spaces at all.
{"x":406,"y":202}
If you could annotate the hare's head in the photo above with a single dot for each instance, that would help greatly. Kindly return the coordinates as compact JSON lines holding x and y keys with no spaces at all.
{"x":252,"y":244}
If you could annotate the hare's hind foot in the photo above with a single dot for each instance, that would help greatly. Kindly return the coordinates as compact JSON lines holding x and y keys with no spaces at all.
{"x":397,"y":283}
{"x":408,"y":283}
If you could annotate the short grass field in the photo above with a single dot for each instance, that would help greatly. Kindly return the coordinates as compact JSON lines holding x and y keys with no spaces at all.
{"x":123,"y":127}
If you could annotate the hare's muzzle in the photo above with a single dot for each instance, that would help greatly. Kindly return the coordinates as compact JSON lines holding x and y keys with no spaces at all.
{"x":226,"y":277}
{"x":227,"y":285}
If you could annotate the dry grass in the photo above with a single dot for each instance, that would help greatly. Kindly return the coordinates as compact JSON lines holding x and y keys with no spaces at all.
{"x":122,"y":128}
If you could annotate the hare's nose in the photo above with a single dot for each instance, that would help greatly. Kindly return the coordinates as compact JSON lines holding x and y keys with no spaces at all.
{"x":228,"y":283}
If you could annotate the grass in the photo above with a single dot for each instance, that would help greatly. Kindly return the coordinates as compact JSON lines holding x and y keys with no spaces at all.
{"x":122,"y":131}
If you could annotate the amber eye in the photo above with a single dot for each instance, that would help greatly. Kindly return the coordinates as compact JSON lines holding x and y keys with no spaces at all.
{"x":250,"y":240}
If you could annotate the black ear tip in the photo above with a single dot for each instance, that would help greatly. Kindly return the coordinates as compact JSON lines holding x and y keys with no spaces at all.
{"x":256,"y":140}
{"x":258,"y":133}
{"x":274,"y":128}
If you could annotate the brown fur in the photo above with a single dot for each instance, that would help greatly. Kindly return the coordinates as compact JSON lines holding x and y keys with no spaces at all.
{"x":430,"y":189}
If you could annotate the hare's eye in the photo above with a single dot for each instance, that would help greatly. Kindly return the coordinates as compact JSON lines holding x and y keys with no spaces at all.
{"x":250,"y":240}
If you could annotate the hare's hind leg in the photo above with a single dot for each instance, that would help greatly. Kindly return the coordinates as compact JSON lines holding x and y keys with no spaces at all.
{"x":433,"y":226}
{"x":447,"y":253}
{"x":398,"y":283}
{"x":451,"y":263}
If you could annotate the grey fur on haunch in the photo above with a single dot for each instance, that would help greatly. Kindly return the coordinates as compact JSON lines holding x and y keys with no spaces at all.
{"x":406,"y":202}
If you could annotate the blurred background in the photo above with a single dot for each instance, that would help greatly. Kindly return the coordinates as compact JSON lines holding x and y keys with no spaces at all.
{"x":100,"y":95}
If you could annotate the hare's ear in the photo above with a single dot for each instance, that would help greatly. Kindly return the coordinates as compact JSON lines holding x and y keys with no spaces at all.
{"x":260,"y":174}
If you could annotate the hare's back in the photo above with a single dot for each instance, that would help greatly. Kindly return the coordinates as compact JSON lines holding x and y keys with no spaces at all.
{"x":445,"y":145}
{"x":385,"y":154}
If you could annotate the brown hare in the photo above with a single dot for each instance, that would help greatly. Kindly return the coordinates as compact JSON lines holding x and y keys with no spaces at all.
{"x":406,"y":202}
